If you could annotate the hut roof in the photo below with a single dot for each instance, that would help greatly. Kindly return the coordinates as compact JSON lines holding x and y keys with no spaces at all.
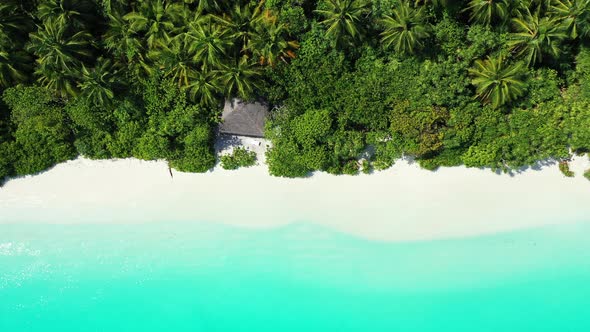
{"x":243,"y":119}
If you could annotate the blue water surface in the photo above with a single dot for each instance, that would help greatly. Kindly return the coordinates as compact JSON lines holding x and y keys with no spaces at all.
{"x":203,"y":276}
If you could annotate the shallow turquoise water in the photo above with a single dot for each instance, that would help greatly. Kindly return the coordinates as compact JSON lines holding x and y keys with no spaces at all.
{"x":209,"y":277}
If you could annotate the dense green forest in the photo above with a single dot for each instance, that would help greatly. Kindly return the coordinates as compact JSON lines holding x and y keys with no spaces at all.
{"x":485,"y":83}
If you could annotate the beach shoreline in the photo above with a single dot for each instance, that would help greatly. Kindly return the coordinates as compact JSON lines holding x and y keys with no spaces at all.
{"x":403,"y":203}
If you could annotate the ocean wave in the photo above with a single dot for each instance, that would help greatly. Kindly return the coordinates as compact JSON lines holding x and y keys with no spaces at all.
{"x":17,"y":249}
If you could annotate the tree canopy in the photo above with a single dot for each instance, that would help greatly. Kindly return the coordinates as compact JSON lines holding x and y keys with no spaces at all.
{"x":353,"y":84}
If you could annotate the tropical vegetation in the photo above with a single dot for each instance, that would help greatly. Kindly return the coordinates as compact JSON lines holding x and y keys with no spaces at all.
{"x":239,"y":157}
{"x":353,"y":84}
{"x":564,"y":168}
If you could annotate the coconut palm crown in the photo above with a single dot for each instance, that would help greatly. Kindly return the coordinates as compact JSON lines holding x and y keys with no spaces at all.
{"x":496,"y":82}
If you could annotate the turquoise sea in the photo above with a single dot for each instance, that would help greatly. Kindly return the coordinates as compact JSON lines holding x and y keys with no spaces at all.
{"x":200,"y":276}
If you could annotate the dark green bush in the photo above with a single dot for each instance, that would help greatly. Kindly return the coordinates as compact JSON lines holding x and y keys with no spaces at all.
{"x":42,"y":136}
{"x":197,"y":153}
{"x":240,"y":157}
{"x":7,"y":156}
{"x":564,"y":167}
{"x":351,"y":168}
{"x":366,"y":166}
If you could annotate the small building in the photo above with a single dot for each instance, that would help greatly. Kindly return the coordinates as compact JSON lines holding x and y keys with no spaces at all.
{"x":243,"y":119}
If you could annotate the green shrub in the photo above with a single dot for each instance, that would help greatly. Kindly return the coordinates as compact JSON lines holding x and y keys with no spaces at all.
{"x":43,"y":137}
{"x":152,"y":146}
{"x":85,"y":115}
{"x":429,"y":164}
{"x":347,"y":144}
{"x":125,"y":139}
{"x":564,"y":167}
{"x":351,"y":168}
{"x":196,"y":154}
{"x":366,"y":166}
{"x":240,"y":157}
{"x":94,"y":145}
{"x":311,"y":127}
{"x":583,"y":71}
{"x":197,"y":159}
{"x":284,"y":159}
{"x":587,"y":174}
{"x":6,"y":161}
{"x":381,"y":165}
{"x":386,"y":151}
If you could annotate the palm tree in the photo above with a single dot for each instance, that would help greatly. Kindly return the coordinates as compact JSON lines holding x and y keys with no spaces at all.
{"x":535,"y":36}
{"x":542,"y":6}
{"x":204,"y":88}
{"x":175,"y":61}
{"x":520,"y":8}
{"x":270,"y":44}
{"x":157,"y":20}
{"x":62,"y":83}
{"x":497,"y":83}
{"x":112,"y":6}
{"x":121,"y":40}
{"x":240,"y":78}
{"x":241,"y":23}
{"x":487,"y":11}
{"x":12,"y":24}
{"x":575,"y":15}
{"x":343,"y":18}
{"x":207,"y":5}
{"x":13,"y":67}
{"x":59,"y":56}
{"x":208,"y":42}
{"x":431,"y":2}
{"x":97,"y":83}
{"x":51,"y":45}
{"x":405,"y":28}
{"x":64,"y":12}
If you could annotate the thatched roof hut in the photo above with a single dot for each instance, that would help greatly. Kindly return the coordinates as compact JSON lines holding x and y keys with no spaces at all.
{"x":243,"y":119}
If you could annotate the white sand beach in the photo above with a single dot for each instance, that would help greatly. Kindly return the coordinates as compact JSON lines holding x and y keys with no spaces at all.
{"x":403,"y":203}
